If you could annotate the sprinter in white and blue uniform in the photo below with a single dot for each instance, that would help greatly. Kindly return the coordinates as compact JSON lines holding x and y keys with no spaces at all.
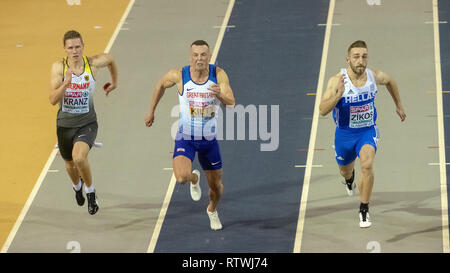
{"x":355,"y":116}
{"x":198,"y":119}
{"x":200,"y":87}
{"x":350,"y":94}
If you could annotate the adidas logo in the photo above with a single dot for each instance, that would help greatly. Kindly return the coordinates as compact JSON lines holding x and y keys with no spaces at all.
{"x":350,"y":92}
{"x":375,"y":140}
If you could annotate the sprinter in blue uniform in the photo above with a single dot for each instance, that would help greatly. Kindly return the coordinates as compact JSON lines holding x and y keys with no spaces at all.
{"x":350,"y":95}
{"x":200,"y":87}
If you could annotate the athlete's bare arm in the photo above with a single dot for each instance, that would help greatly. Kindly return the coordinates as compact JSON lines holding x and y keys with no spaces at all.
{"x":391,"y":85}
{"x":333,"y":93}
{"x":222,"y":90}
{"x":170,"y":79}
{"x":57,"y":85}
{"x":105,"y":60}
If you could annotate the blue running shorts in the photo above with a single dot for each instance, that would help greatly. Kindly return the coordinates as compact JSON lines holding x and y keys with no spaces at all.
{"x":348,"y":143}
{"x":208,"y":151}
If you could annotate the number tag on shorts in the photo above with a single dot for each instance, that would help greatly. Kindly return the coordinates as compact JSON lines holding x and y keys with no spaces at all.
{"x":361,"y":116}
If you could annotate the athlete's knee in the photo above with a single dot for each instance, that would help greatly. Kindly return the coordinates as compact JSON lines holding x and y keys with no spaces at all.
{"x":366,"y":158}
{"x":366,"y":167}
{"x":216,"y":187}
{"x":183,"y":178}
{"x":79,"y":160}
{"x":346,"y":173}
{"x":70,"y":164}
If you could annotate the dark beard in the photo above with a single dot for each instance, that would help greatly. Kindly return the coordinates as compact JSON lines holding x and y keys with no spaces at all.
{"x":356,"y":71}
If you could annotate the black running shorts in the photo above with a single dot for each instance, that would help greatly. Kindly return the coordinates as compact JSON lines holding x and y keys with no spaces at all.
{"x":68,"y":136}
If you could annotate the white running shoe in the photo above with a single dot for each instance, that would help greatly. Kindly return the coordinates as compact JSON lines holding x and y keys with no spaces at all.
{"x":364,"y":220}
{"x":196,"y":191}
{"x":214,"y":220}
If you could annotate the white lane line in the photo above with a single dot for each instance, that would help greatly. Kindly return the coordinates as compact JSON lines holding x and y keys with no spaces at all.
{"x":434,"y":92}
{"x":312,"y":166}
{"x":222,"y":31}
{"x":27,"y":205}
{"x":324,"y":25}
{"x":119,"y":26}
{"x":437,"y":164}
{"x":443,"y":174}
{"x":162,"y":214}
{"x":312,"y":139}
{"x":231,"y":26}
{"x":52,"y":156}
{"x":433,"y":22}
{"x":167,"y":169}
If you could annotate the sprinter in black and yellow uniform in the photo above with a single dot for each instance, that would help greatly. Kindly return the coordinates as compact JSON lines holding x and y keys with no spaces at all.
{"x":72,"y":87}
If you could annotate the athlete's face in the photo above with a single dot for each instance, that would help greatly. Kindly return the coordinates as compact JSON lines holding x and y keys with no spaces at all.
{"x":357,"y":59}
{"x":74,"y":49}
{"x":200,"y":57}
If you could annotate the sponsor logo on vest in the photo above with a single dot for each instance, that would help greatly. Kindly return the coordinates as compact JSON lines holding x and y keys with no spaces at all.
{"x":361,"y":116}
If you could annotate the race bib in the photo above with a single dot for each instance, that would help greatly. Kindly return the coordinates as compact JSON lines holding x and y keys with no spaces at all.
{"x":76,"y":102}
{"x":202,"y":112}
{"x":361,"y":116}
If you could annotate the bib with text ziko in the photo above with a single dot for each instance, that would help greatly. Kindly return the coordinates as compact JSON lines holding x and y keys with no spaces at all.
{"x":361,"y":116}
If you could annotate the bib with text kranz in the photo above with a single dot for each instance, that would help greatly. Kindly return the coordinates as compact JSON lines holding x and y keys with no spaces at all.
{"x":197,"y":105}
{"x":356,"y":109}
{"x":79,"y":92}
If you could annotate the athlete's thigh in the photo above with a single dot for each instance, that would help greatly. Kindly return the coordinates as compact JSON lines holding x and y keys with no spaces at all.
{"x":214,"y":177}
{"x":80,"y":150}
{"x":183,"y":155}
{"x":65,"y":142}
{"x":84,"y":139}
{"x":181,"y":167}
{"x":347,"y":169}
{"x":87,"y":134}
{"x":209,"y":155}
{"x":367,"y":156}
{"x":344,"y":147}
{"x":369,"y":137}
